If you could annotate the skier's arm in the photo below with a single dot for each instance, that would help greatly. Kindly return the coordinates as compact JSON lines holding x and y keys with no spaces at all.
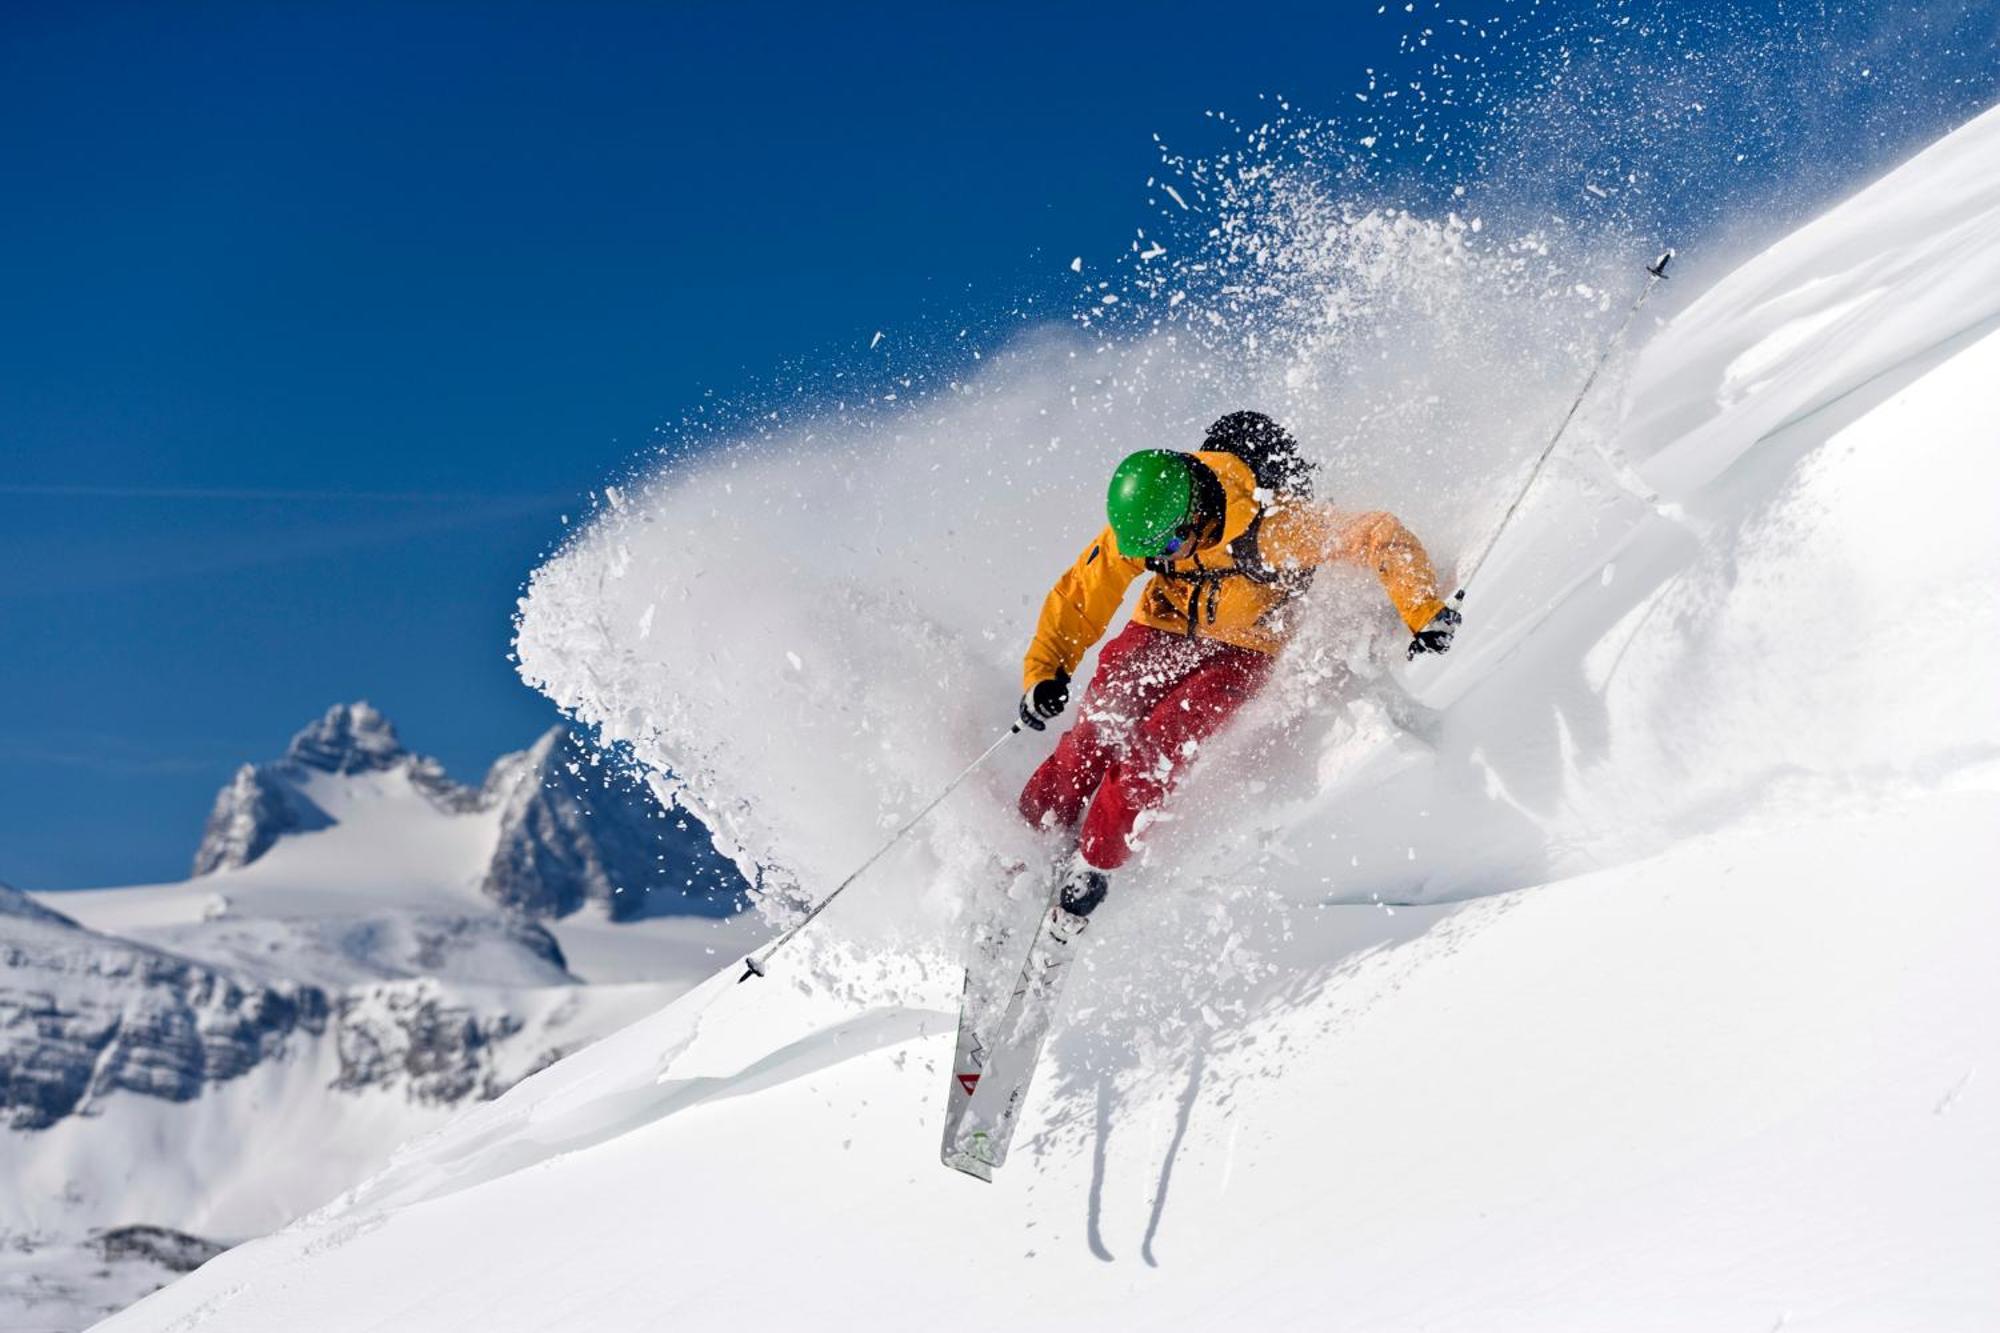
{"x":1380,"y":542}
{"x":1078,"y":609}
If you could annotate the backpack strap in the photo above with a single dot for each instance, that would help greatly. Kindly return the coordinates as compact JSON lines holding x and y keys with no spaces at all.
{"x":1247,"y":557}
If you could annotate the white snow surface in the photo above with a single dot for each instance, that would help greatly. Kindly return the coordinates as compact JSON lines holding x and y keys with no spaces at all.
{"x":1692,"y":1025}
{"x":1733,"y":1087}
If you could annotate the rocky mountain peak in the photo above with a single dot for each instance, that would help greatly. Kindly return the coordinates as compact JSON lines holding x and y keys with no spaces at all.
{"x":263,"y":802}
{"x":351,"y":738}
{"x":571,"y":829}
{"x":257,"y":807}
{"x":575,"y":831}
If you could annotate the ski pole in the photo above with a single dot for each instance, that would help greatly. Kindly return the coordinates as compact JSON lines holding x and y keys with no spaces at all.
{"x":753,"y":966}
{"x":1656,"y":274}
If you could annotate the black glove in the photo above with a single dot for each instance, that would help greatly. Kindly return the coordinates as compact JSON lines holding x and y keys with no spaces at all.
{"x":1436,"y":636}
{"x":1046,"y":700}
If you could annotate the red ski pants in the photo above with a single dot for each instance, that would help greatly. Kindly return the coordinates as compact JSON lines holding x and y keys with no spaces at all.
{"x":1153,"y":696}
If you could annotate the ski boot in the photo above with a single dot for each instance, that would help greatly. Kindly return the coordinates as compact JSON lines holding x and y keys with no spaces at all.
{"x":1082,"y":891}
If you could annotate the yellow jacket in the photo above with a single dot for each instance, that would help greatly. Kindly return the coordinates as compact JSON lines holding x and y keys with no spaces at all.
{"x":1237,"y":589}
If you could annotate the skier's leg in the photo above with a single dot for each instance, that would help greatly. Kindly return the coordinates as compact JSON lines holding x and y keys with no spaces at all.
{"x":1161,"y":748}
{"x":1133,"y":674}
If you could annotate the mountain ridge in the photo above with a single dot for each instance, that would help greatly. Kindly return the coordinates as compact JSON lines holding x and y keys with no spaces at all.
{"x":571,"y":830}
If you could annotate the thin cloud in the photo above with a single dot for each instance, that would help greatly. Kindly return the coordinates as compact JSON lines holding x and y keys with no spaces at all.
{"x":223,"y":554}
{"x":19,"y":757}
{"x":251,"y":494}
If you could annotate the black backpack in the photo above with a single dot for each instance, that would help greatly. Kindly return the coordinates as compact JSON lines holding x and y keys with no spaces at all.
{"x":1269,"y":449}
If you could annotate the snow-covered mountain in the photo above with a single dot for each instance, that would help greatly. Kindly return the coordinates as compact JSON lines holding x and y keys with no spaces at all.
{"x":365,"y":947}
{"x":86,"y":1016}
{"x":264,"y":802}
{"x":569,"y":832}
{"x":1627,"y":969}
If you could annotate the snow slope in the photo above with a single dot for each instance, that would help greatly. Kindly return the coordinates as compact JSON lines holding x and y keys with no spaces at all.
{"x":1719,"y":760}
{"x":1583,"y":1106}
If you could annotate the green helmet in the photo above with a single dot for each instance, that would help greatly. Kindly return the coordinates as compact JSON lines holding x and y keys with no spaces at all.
{"x":1151,"y":496}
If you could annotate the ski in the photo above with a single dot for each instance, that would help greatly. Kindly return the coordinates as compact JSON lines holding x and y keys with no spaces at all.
{"x":967,"y":1061}
{"x":1006,"y":1057}
{"x":980,"y":999}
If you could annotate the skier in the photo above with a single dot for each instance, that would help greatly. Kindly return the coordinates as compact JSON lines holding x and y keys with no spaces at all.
{"x":1231,"y":535}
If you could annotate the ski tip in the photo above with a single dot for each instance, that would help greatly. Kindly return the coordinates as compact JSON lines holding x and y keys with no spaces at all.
{"x":1658,"y":268}
{"x":751,"y":968}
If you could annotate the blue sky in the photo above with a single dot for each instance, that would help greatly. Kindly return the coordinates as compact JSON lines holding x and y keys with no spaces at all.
{"x":316,"y":319}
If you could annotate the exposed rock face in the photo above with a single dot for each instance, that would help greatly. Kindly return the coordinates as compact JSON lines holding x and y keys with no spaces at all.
{"x":50,"y":1283}
{"x":259,"y":805}
{"x":440,"y":943}
{"x":175,"y":1251}
{"x":351,"y":738}
{"x":84,"y":1014}
{"x":416,"y":1035}
{"x":571,"y":833}
{"x":427,"y":775}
